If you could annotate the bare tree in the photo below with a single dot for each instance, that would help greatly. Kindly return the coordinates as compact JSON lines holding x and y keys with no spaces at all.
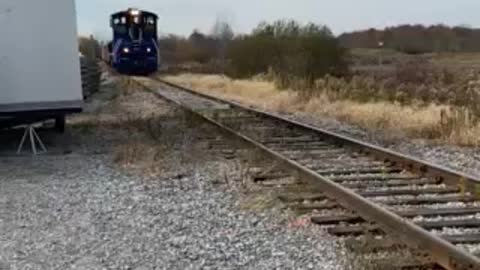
{"x":223,"y":33}
{"x":222,"y":30}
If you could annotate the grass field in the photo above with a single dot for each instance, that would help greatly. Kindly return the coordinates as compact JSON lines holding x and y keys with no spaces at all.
{"x":362,"y":58}
{"x":439,"y":122}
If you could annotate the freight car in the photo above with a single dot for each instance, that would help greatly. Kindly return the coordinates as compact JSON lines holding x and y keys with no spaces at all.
{"x":134,"y":48}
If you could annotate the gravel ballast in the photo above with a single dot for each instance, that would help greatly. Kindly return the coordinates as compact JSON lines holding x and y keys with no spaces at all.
{"x":462,"y":159}
{"x":80,"y":212}
{"x":84,"y":211}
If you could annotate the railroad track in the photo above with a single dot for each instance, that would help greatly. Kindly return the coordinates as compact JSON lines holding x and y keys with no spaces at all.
{"x":357,"y":188}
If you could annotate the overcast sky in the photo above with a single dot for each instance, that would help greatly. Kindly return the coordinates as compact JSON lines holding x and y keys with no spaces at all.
{"x":182,"y":16}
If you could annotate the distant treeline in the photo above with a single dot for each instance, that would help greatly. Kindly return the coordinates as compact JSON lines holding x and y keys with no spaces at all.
{"x":198,"y":47}
{"x":415,"y":39}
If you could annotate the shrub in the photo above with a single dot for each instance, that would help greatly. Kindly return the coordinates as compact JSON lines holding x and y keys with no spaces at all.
{"x":89,"y":47}
{"x":289,"y":50}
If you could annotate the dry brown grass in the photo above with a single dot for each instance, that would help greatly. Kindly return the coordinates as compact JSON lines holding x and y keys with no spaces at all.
{"x":412,"y":120}
{"x":147,"y":134}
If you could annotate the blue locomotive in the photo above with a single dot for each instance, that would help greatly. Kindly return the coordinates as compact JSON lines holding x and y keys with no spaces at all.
{"x":134,"y":48}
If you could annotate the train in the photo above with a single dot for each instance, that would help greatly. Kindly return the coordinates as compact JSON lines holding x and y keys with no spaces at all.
{"x":134,"y":49}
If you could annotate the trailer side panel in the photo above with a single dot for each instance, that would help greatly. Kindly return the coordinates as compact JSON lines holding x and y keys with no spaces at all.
{"x":39,"y":64}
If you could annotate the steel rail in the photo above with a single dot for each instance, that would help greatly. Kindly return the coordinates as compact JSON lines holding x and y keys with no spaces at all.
{"x":441,"y":251}
{"x":469,"y":182}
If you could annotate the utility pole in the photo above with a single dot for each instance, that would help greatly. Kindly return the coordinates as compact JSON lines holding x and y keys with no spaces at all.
{"x":380,"y":52}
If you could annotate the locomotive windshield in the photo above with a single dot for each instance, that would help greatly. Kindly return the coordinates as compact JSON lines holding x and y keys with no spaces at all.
{"x":135,"y":24}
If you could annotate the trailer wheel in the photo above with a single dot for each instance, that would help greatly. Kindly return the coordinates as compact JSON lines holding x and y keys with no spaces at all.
{"x":60,"y":124}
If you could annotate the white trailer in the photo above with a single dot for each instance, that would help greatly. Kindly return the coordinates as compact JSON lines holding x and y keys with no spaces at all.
{"x":39,"y":64}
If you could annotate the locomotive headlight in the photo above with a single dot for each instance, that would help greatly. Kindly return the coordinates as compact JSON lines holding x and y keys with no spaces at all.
{"x":135,"y":12}
{"x":126,"y":50}
{"x":149,"y":50}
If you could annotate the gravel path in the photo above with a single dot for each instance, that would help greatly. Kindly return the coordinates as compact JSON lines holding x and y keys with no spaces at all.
{"x":82,"y":211}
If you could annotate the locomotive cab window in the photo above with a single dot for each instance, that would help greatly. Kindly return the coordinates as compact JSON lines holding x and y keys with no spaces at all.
{"x":119,"y":25}
{"x":150,"y":21}
{"x":150,"y":24}
{"x":136,"y":20}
